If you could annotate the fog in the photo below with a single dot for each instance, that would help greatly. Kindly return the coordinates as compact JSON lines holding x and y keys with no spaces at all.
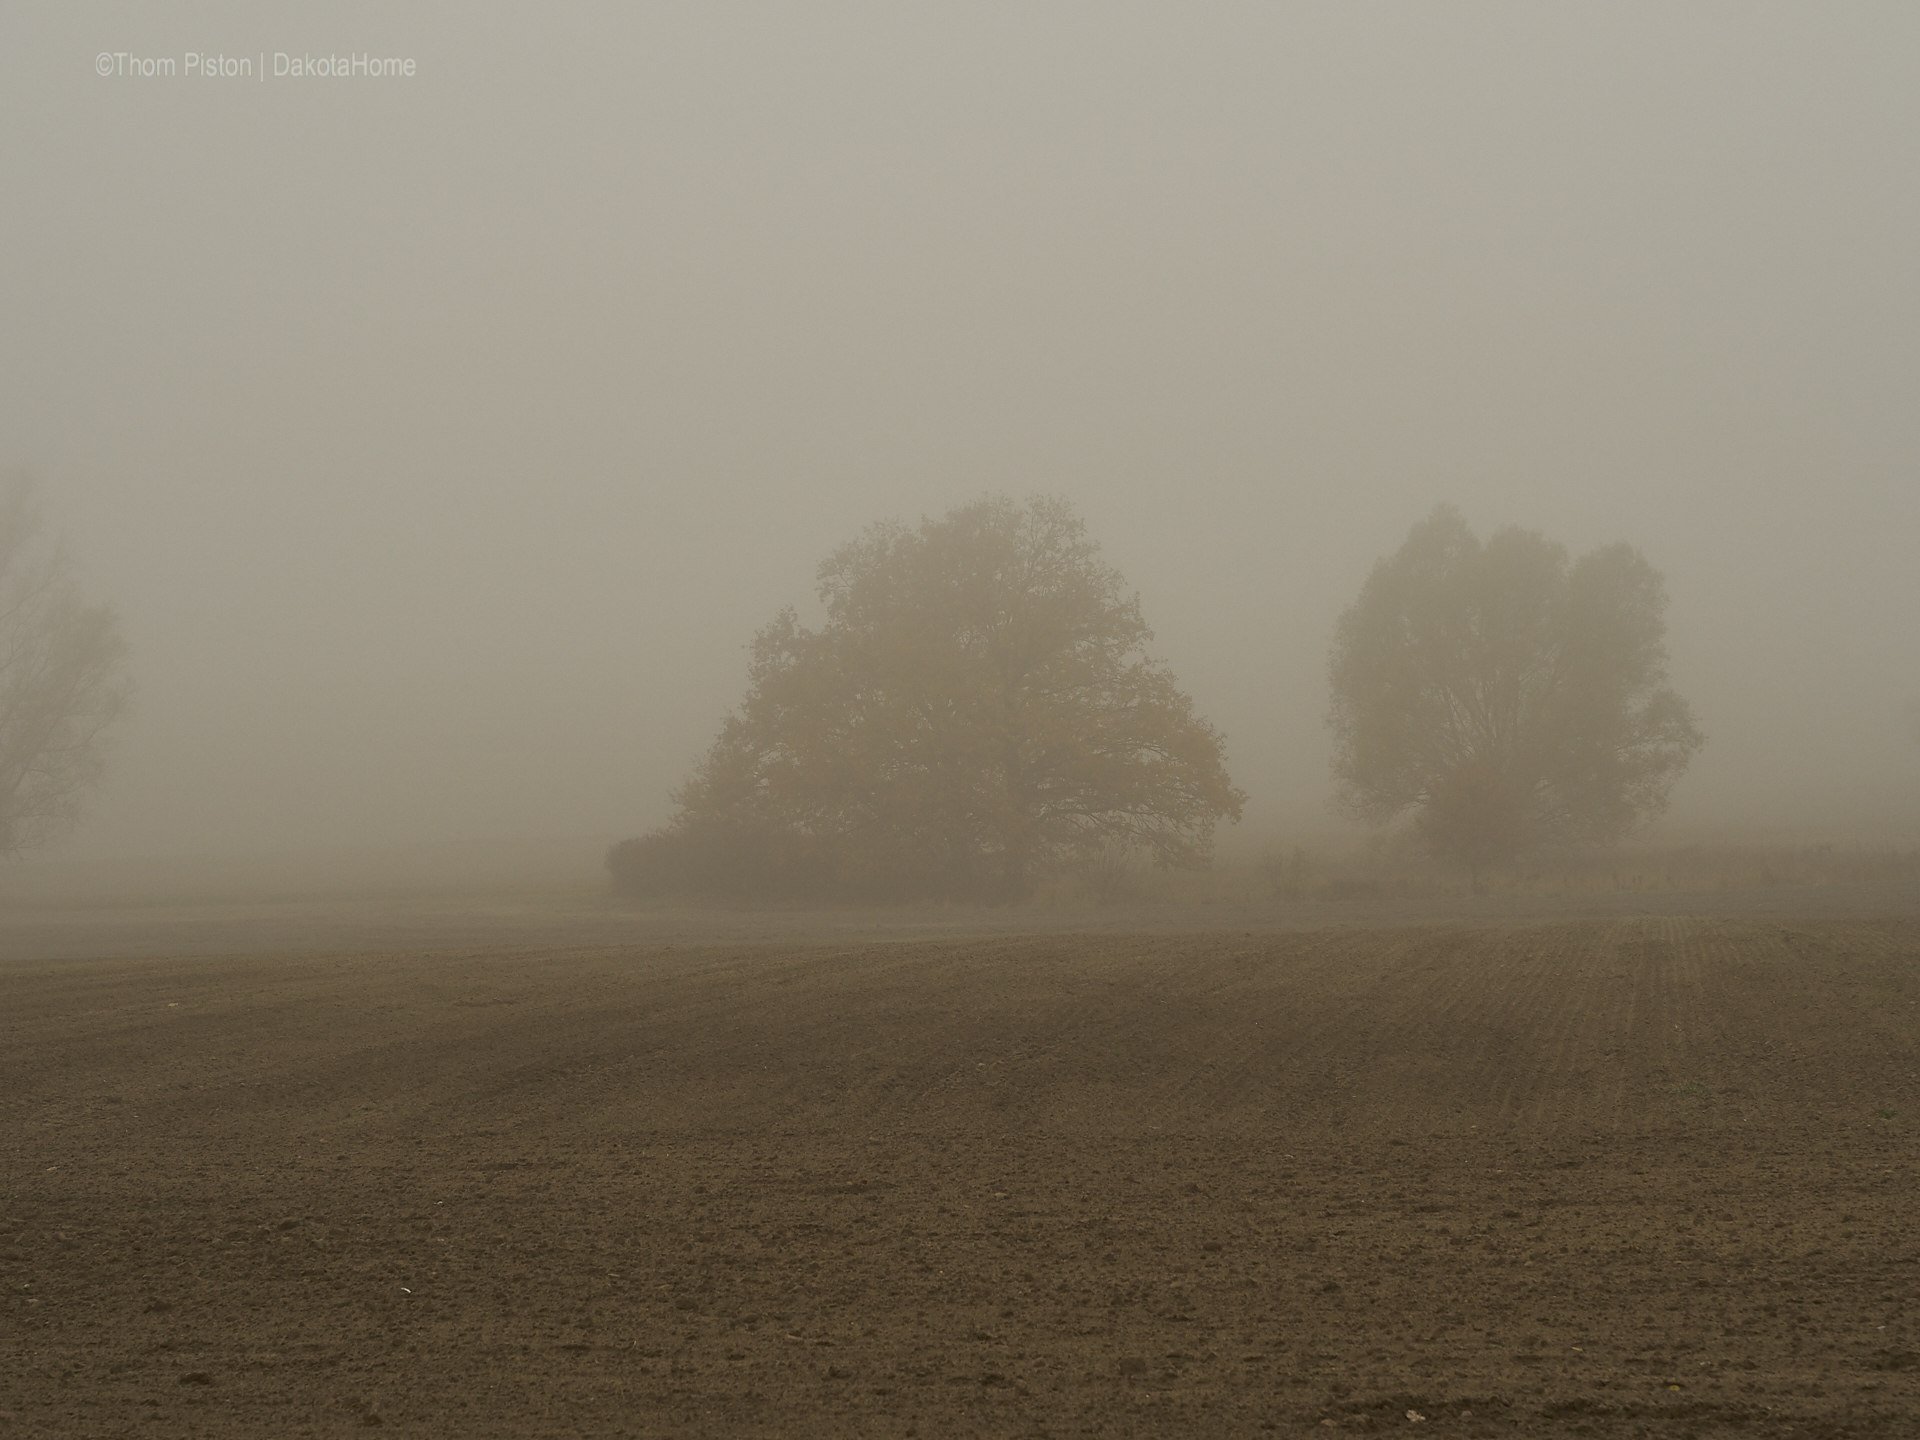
{"x":443,"y":438}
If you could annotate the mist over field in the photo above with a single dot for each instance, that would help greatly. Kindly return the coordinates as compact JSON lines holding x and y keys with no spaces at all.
{"x":444,"y":439}
{"x":746,"y":653}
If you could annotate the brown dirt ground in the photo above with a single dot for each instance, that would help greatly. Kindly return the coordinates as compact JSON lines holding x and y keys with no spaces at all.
{"x":1613,"y":1176}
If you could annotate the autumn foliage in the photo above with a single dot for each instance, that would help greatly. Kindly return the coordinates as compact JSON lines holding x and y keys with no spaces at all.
{"x":1509,"y":698}
{"x":977,"y":708}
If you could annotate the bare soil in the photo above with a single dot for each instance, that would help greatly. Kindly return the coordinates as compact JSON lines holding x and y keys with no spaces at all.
{"x":1615,"y":1175}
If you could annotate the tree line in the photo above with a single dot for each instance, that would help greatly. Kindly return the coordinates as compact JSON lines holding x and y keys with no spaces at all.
{"x":979,"y":708}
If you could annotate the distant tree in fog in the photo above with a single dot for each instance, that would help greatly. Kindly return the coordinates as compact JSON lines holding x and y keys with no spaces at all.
{"x":1507,"y":697}
{"x":62,"y":679}
{"x":977,"y":707}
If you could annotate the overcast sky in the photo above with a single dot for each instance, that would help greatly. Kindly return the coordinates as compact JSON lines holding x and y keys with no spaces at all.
{"x":443,"y":439}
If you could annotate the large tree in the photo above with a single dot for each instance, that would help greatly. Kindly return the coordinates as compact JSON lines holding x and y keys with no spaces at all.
{"x":62,"y":679}
{"x":977,"y":706}
{"x":1510,"y":698}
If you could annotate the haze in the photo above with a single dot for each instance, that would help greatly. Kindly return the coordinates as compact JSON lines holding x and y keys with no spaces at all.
{"x":444,"y":439}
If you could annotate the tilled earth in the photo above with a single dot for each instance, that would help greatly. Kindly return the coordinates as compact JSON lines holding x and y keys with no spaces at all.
{"x":1615,"y":1177}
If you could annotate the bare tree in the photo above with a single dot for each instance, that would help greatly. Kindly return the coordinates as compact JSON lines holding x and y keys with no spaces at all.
{"x":63,"y":679}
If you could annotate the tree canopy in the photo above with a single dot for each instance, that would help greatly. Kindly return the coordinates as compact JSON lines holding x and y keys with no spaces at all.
{"x":62,"y":679}
{"x":977,"y":706}
{"x":1509,"y":697}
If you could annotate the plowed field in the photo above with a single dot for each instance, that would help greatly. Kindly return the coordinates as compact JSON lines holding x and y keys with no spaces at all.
{"x":1606,"y":1177}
